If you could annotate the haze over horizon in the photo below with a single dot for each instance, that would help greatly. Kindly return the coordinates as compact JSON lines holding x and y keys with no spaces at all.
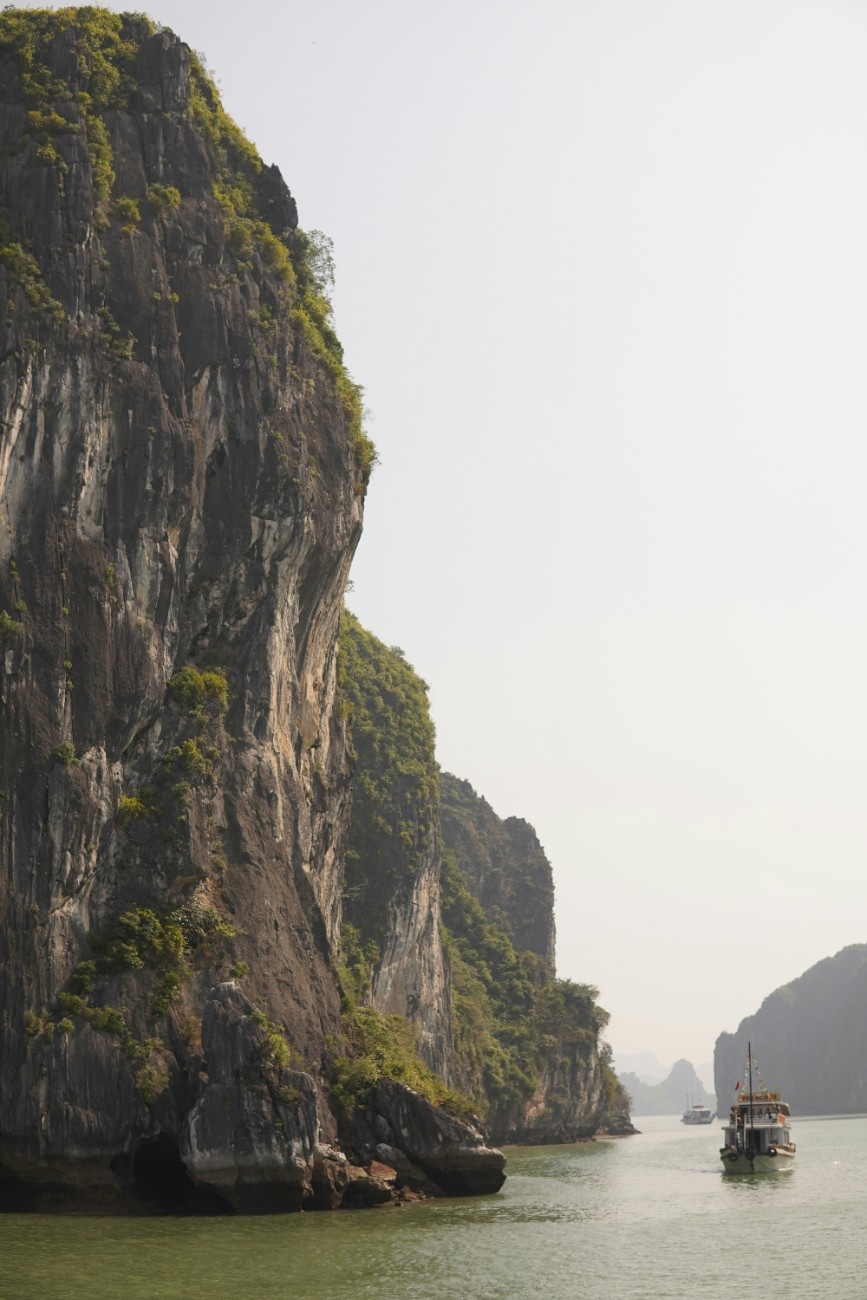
{"x":601,"y":271}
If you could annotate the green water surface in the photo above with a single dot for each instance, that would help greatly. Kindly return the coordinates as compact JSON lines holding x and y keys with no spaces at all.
{"x":650,"y":1216}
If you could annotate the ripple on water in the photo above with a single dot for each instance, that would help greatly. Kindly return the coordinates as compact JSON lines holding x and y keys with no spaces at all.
{"x":645,"y":1218}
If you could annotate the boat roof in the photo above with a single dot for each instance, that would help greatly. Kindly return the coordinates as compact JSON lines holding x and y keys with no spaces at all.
{"x":767,"y":1100}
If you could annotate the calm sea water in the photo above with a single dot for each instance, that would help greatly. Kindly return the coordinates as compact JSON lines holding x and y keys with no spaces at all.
{"x":650,"y":1217}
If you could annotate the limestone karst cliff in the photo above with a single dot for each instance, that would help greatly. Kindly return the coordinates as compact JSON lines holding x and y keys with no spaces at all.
{"x":809,"y":1039}
{"x":505,"y":866}
{"x":476,"y":976}
{"x":529,"y":1043}
{"x":182,"y":476}
{"x":391,"y":899}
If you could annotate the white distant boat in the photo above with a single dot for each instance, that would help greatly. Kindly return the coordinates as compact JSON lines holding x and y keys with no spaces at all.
{"x":698,"y":1113}
{"x":757,"y":1137}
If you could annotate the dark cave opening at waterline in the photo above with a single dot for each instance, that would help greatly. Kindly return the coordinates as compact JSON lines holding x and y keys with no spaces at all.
{"x":160,"y":1176}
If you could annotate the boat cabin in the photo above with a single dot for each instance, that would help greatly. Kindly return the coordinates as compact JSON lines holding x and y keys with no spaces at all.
{"x":759,"y":1124}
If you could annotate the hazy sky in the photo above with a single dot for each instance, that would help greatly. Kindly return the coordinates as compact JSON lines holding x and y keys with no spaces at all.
{"x":602,"y":270}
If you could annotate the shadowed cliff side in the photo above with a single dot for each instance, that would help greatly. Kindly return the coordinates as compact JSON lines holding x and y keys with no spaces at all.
{"x":526,"y":1042}
{"x":505,"y":866}
{"x":809,"y":1039}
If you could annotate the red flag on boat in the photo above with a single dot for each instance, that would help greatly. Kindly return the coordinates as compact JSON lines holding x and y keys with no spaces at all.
{"x":738,"y":1086}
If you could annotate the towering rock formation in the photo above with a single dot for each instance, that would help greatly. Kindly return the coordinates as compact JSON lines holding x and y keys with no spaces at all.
{"x":809,"y":1039}
{"x":212,"y":994}
{"x":182,"y":474}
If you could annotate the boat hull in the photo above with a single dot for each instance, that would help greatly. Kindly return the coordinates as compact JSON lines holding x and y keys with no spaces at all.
{"x":783,"y":1160}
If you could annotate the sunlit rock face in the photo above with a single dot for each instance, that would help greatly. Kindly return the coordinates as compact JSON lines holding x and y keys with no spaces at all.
{"x":412,"y":980}
{"x":392,"y":896}
{"x":181,"y":486}
{"x":570,"y":1101}
{"x":452,"y":1153}
{"x":182,"y":476}
{"x":231,"y":1145}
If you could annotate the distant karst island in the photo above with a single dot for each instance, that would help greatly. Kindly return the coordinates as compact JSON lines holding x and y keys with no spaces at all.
{"x":680,"y":1089}
{"x":810,"y":1037}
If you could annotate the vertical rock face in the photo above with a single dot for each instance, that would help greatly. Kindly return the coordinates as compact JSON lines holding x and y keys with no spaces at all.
{"x":505,"y":866}
{"x":548,"y":1078}
{"x":412,"y":980}
{"x":269,"y":1164}
{"x":392,"y":888}
{"x":182,"y":476}
{"x":455,"y":929}
{"x":570,"y":1102}
{"x":181,"y":481}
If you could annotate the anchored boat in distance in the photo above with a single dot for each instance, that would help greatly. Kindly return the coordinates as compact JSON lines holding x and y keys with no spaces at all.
{"x":757,"y":1137}
{"x":698,"y":1113}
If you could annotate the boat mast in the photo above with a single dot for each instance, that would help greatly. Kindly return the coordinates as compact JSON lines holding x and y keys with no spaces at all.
{"x":750,"y":1069}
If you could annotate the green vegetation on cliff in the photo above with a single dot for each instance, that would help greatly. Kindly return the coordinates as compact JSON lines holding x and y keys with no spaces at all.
{"x":302,"y":260}
{"x":105,"y":54}
{"x":101,"y":78}
{"x":493,"y":996}
{"x":394,"y":803}
{"x":158,"y":796}
{"x":509,"y":1017}
{"x":377,"y":1046}
{"x":505,"y":866}
{"x":508,"y":1014}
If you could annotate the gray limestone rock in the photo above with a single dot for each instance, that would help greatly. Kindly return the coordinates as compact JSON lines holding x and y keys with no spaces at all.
{"x":182,"y":482}
{"x":253,"y":1132}
{"x":452,"y":1153}
{"x":180,"y":487}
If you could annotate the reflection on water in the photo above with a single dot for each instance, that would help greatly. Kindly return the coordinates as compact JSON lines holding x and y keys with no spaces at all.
{"x":644,"y":1218}
{"x":763,"y":1185}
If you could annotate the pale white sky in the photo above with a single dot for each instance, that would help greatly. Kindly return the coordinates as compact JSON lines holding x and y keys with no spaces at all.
{"x":602,"y":270}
